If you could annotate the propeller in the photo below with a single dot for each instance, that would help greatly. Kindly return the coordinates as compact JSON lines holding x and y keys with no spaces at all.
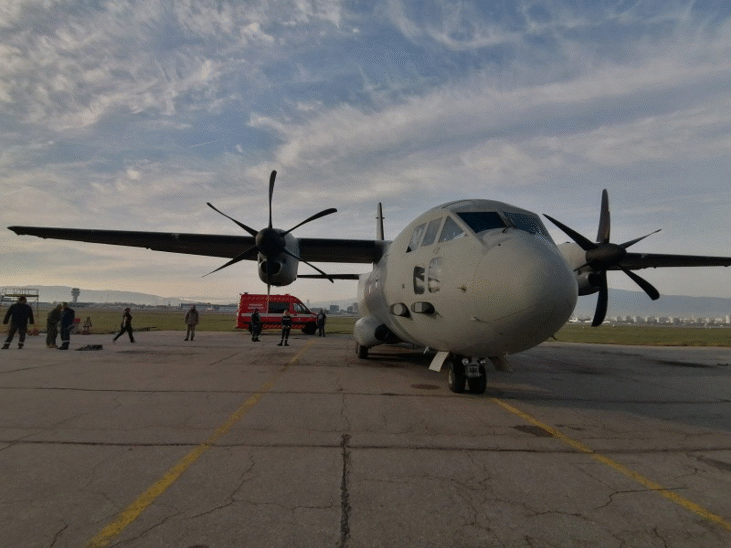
{"x":603,"y":255}
{"x":270,"y":242}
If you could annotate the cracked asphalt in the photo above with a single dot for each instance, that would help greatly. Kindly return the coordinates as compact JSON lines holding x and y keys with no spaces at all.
{"x":227,"y":443}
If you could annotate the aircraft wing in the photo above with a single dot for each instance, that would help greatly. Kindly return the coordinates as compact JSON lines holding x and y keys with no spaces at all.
{"x":212,"y":245}
{"x":637,"y":261}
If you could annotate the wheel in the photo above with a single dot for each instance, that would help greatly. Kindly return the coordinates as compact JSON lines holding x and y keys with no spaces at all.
{"x":361,"y":351}
{"x":456,"y":376}
{"x":309,"y":329}
{"x":478,"y":385}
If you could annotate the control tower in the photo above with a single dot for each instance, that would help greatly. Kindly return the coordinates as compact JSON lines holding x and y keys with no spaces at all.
{"x":75,"y":292}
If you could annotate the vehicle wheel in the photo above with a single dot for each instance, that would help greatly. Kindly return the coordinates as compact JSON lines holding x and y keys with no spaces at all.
{"x":478,"y":385}
{"x":309,"y":329}
{"x":361,"y":351}
{"x":456,"y":376}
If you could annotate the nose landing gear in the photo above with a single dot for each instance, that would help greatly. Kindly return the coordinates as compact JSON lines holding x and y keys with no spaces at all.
{"x":469,"y":371}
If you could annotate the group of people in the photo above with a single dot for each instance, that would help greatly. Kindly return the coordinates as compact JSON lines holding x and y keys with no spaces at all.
{"x":60,"y":319}
{"x":256,"y":326}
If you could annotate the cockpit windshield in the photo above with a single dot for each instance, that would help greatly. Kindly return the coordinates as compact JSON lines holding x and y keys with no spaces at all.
{"x":529,"y":223}
{"x":479,"y":221}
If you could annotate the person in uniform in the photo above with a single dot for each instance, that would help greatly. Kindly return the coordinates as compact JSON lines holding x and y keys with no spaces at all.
{"x":126,"y":326}
{"x":255,"y":326}
{"x":286,"y":328}
{"x":67,"y":324}
{"x":19,"y":314}
{"x":191,"y":320}
{"x":54,"y":316}
{"x":321,"y":319}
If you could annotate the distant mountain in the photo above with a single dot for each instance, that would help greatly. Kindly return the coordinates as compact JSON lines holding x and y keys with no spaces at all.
{"x":636,"y":303}
{"x":621,"y":302}
{"x":58,"y":293}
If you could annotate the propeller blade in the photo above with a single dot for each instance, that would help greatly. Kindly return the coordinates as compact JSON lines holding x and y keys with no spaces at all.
{"x":584,"y":243}
{"x":646,"y":286}
{"x":242,"y":225}
{"x":310,"y":265}
{"x":271,"y":193}
{"x":312,"y":218}
{"x":601,"y":302}
{"x":604,"y":220}
{"x":633,"y":242}
{"x":245,"y":255}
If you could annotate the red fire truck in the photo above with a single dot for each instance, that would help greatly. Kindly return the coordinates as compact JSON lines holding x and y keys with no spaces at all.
{"x":271,"y":312}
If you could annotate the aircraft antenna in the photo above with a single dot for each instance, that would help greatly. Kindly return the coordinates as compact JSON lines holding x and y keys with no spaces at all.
{"x":379,"y":222}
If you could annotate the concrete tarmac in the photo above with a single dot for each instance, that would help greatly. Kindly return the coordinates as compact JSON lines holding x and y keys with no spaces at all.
{"x":223,"y":442}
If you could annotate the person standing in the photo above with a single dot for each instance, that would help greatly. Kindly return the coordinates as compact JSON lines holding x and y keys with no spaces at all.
{"x":255,"y":326}
{"x":67,"y":324}
{"x":286,"y":328}
{"x":54,"y":316}
{"x":126,"y":326}
{"x":321,"y":319}
{"x":19,"y":315}
{"x":86,"y":328}
{"x":191,"y":320}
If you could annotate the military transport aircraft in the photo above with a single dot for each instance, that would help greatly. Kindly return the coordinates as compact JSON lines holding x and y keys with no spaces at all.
{"x":472,"y":280}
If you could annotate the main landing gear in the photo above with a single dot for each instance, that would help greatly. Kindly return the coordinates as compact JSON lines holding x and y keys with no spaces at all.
{"x":463,"y":371}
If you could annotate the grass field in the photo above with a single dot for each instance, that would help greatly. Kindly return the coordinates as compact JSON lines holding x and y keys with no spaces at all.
{"x":108,"y":320}
{"x":646,"y":335}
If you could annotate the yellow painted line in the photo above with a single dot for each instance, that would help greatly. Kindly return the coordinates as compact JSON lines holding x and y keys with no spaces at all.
{"x":664,"y":491}
{"x":133,"y":511}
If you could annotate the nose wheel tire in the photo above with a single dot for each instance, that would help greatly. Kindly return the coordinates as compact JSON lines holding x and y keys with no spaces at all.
{"x":361,"y":351}
{"x":478,"y":385}
{"x":457,"y":376}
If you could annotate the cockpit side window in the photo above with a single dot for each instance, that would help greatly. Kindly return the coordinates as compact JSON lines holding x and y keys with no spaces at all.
{"x":450,"y":231}
{"x":431,"y":232}
{"x":416,"y":238}
{"x":479,"y":221}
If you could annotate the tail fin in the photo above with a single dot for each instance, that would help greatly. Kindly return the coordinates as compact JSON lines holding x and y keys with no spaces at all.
{"x":379,"y":223}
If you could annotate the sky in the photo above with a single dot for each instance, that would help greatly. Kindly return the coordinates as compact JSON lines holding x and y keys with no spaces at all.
{"x":131,"y":115}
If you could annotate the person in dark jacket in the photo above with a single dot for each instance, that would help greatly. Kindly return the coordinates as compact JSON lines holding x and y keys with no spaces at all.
{"x":54,"y":316}
{"x":19,"y":315}
{"x":321,"y":319}
{"x":126,"y":326}
{"x":286,"y":328}
{"x":67,"y":324}
{"x":191,"y":320}
{"x":255,"y":326}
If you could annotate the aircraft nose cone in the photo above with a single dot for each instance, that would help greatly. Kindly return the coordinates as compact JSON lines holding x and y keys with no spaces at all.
{"x":526,"y":289}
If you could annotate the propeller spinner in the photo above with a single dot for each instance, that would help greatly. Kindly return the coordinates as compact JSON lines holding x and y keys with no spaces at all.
{"x":603,"y":255}
{"x":270,"y":242}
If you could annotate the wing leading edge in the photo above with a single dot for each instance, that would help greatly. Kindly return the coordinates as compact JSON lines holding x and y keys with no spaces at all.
{"x":212,"y":245}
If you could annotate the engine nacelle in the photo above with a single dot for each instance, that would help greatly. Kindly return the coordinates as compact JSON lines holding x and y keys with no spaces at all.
{"x":282,"y":268}
{"x":589,"y":282}
{"x":370,"y":331}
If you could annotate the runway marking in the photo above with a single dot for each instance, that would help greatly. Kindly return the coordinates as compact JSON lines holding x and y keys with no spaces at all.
{"x":651,"y":485}
{"x":133,"y":511}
